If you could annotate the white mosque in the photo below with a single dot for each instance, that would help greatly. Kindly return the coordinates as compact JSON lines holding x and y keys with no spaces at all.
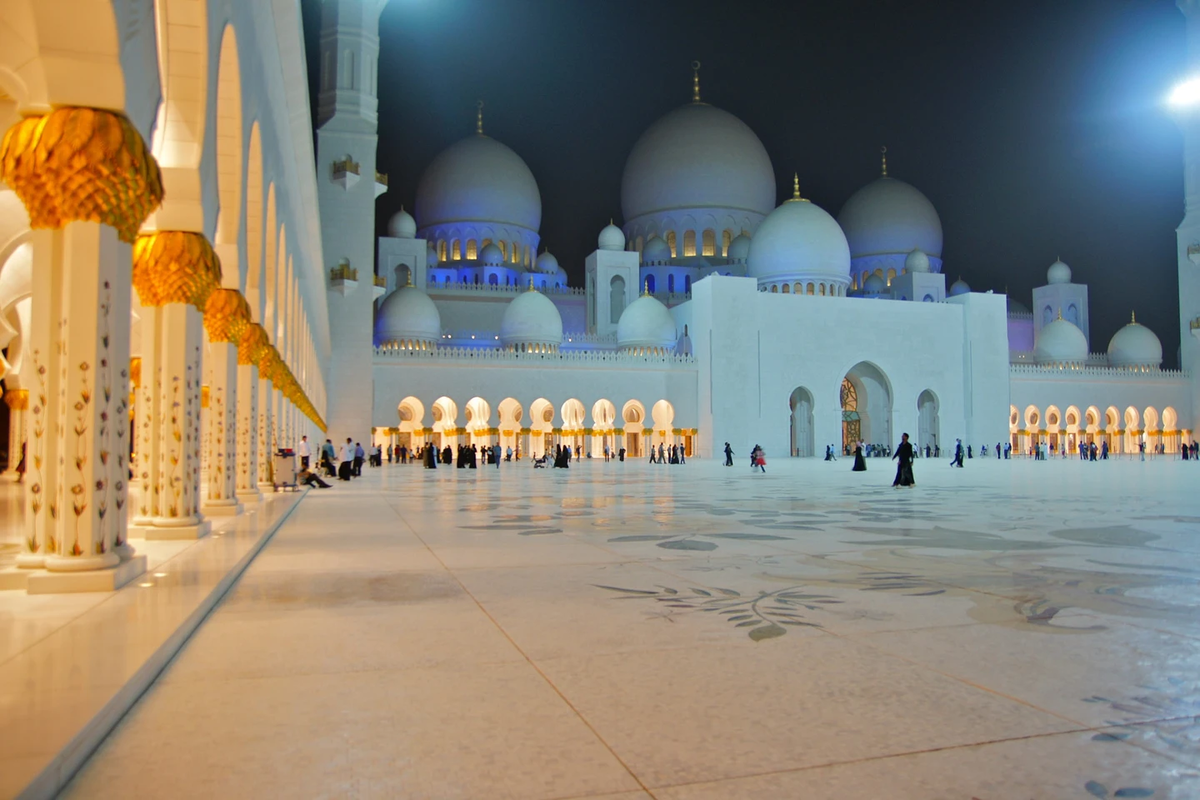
{"x":713,"y":314}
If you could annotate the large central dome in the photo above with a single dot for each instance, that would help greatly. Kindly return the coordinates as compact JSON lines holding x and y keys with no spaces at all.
{"x":697,"y":156}
{"x":478,"y":179}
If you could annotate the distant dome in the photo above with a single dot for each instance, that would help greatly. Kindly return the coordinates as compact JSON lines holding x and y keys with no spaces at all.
{"x":890,"y":216}
{"x":646,"y":322}
{"x":874,"y":284}
{"x":546,"y":264}
{"x":958,"y":287}
{"x":491,"y":256}
{"x":697,"y":156}
{"x":1058,"y":273}
{"x":739,"y":248}
{"x":1060,"y":342}
{"x":478,"y":179}
{"x":402,"y":225}
{"x":408,"y":314}
{"x":1135,"y":345}
{"x":611,"y":238}
{"x":916,"y":261}
{"x":531,"y":320}
{"x":799,"y":241}
{"x":655,"y":250}
{"x":431,"y":258}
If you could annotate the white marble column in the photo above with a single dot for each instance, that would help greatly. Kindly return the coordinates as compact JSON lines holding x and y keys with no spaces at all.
{"x":247,"y":423}
{"x":221,"y":370}
{"x":77,"y":493}
{"x":17,"y":401}
{"x":266,"y":437}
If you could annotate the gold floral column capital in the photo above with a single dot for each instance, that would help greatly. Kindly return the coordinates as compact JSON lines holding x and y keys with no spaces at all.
{"x":175,"y":267}
{"x":17,"y":399}
{"x":82,"y":164}
{"x":254,"y":339}
{"x":226,"y":316}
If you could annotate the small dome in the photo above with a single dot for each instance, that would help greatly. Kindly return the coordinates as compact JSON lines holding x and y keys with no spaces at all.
{"x":407,"y":314}
{"x":799,"y":241}
{"x":1058,"y":273}
{"x":646,"y":322}
{"x":402,"y":225}
{"x":1060,"y":342}
{"x":739,"y":248}
{"x":916,"y":261}
{"x":490,"y":256}
{"x":546,"y":264}
{"x":656,"y":250}
{"x":959,"y":287}
{"x":431,"y":258}
{"x":1135,"y":345}
{"x":1017,"y":307}
{"x":611,"y":238}
{"x":874,"y":284}
{"x":531,"y":319}
{"x":890,"y":216}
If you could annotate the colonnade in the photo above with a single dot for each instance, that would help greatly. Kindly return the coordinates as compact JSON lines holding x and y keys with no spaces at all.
{"x":119,"y":442}
{"x":1123,"y":431}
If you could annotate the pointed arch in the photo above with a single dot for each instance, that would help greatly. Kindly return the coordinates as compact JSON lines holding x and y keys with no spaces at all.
{"x":254,"y":210}
{"x":229,"y":140}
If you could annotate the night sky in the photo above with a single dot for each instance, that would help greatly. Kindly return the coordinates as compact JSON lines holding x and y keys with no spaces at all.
{"x":1037,"y":129}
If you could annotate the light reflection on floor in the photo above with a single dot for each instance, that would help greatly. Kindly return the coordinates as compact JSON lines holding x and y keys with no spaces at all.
{"x":1013,"y":629}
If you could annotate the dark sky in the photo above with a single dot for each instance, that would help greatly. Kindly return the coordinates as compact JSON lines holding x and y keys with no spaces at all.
{"x":1035,"y":128}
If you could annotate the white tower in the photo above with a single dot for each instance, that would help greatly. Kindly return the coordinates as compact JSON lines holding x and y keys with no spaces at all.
{"x":1061,"y":295}
{"x":347,"y":185}
{"x":612,"y":281}
{"x":1188,"y":233}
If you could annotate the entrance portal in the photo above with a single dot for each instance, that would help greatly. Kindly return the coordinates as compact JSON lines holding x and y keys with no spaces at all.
{"x":801,"y":403}
{"x":866,"y":407}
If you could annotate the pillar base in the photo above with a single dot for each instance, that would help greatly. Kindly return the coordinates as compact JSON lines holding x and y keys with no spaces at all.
{"x":154,"y":533}
{"x":93,"y":580}
{"x":223,"y":508}
{"x":31,"y":561}
{"x":14,"y":578}
{"x":251,"y":496}
{"x":266,"y":488}
{"x":125,"y":550}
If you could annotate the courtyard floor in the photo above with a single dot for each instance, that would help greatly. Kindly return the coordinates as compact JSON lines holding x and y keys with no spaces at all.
{"x":1011,"y":630}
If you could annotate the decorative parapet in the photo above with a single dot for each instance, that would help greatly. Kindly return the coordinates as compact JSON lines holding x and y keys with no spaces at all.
{"x":484,"y":288}
{"x":1020,"y":315}
{"x":381,"y":184}
{"x":343,"y":272}
{"x":1027,"y":357}
{"x":345,"y":173}
{"x":1084,"y":371}
{"x":381,"y":281}
{"x":582,"y":358}
{"x":589,"y":338}
{"x":380,"y":286}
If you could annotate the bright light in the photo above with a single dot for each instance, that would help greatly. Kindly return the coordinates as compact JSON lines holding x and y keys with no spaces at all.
{"x":1185,"y":94}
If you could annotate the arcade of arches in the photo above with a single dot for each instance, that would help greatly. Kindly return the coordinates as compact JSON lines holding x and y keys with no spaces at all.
{"x":535,"y":428}
{"x":1069,"y":428}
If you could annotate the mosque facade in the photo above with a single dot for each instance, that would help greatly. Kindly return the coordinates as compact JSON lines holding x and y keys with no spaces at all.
{"x":714,"y":315}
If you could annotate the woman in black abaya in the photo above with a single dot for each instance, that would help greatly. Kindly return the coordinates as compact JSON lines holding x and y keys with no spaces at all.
{"x":904,"y":472}
{"x":860,"y":463}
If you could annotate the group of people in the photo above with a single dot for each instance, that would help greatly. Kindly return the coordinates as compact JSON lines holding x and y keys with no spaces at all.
{"x":673,"y":456}
{"x":869,"y":450}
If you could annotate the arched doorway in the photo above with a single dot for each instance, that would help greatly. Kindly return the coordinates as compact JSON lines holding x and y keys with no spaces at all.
{"x":572,"y":425}
{"x":479,"y":416}
{"x":541,"y":427}
{"x":412,"y":420}
{"x":801,"y":404}
{"x":866,"y":396}
{"x":445,"y":428}
{"x":634,"y":415}
{"x":604,"y":413}
{"x":510,"y":424}
{"x":663,"y":414}
{"x":928,"y":424}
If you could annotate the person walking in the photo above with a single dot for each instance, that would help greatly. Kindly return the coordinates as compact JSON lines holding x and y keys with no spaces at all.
{"x":728,"y":455}
{"x":359,"y":456}
{"x":346,"y":461}
{"x":860,"y":463}
{"x":957,"y":461}
{"x":904,"y":471}
{"x":304,"y":451}
{"x":758,"y":458}
{"x":662,"y":454}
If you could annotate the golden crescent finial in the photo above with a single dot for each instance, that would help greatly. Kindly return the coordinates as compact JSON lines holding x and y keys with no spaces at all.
{"x":646,"y":288}
{"x":695,"y":81}
{"x":883,"y":153}
{"x":1132,"y":318}
{"x":479,"y":117}
{"x":1060,"y":313}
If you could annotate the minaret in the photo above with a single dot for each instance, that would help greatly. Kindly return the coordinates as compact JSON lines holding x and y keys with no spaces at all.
{"x":1188,"y":232}
{"x":347,"y":185}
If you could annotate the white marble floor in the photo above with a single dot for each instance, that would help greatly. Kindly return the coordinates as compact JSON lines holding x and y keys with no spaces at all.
{"x":1010,"y":630}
